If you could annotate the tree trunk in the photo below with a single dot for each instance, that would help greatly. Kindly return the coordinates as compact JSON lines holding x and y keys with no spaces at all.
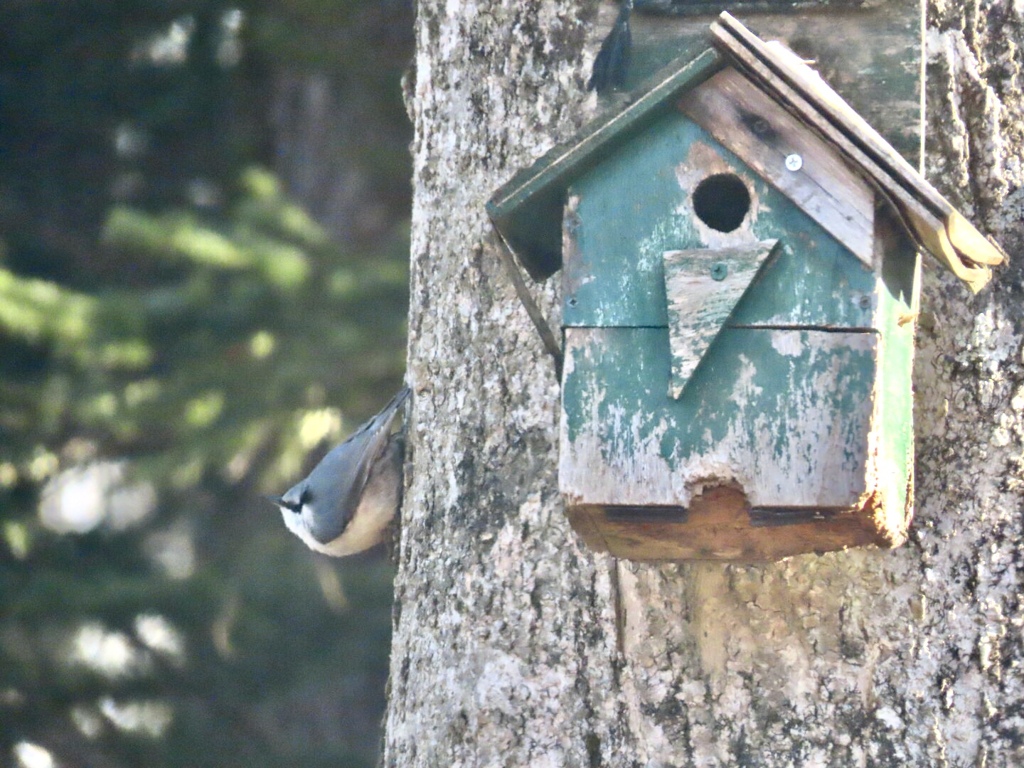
{"x":515,"y":646}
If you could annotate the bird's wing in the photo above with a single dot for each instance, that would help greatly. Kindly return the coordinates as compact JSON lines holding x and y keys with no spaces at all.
{"x":348,"y":466}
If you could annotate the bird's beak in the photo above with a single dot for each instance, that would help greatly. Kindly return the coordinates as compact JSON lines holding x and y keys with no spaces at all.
{"x":275,"y":500}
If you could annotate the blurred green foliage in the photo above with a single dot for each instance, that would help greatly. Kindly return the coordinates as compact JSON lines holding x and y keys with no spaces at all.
{"x":178,"y":335}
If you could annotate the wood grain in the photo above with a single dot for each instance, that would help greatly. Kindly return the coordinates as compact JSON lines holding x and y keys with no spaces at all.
{"x":748,"y":122}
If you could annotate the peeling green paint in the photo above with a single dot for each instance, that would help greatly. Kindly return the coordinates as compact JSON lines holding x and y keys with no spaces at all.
{"x":761,"y":401}
{"x":802,"y":399}
{"x":871,"y":56}
{"x":634,"y":205}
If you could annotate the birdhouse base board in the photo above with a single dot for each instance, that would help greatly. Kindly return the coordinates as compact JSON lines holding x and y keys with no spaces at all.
{"x":719,"y":524}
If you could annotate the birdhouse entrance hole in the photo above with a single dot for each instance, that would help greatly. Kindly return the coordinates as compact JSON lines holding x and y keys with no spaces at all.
{"x":721,"y":201}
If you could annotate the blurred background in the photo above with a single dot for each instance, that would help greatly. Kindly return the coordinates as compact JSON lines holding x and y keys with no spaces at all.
{"x":203,"y":254}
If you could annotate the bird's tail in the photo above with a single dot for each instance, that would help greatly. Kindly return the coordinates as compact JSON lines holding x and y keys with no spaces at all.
{"x":611,"y":67}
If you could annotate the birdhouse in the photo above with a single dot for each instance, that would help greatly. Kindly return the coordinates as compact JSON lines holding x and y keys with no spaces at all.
{"x":739,"y":260}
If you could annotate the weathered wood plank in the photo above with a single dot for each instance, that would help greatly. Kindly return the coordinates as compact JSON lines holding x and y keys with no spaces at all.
{"x":703,"y":286}
{"x":929,"y":216}
{"x":748,"y":122}
{"x":718,"y":526}
{"x":779,"y":426}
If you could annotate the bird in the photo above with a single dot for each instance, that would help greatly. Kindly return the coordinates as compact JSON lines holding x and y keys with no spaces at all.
{"x":611,"y":66}
{"x":346,"y":504}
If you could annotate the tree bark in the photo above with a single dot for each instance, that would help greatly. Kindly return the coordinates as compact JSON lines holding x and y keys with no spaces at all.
{"x":515,"y":646}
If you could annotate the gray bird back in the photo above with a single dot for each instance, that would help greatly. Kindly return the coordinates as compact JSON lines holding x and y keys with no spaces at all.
{"x":348,"y":467}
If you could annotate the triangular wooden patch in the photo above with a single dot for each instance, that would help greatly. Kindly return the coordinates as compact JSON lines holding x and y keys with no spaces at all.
{"x":703,"y":286}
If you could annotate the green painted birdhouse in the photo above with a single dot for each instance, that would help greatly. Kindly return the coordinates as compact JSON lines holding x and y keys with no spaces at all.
{"x":739,"y":262}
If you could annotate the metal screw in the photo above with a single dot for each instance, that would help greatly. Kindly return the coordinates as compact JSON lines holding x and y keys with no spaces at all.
{"x":572,"y":301}
{"x":864,"y":302}
{"x":794,"y":162}
{"x":719,"y":271}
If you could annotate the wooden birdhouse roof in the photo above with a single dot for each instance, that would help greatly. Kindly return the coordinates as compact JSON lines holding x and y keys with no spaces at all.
{"x":527,"y":210}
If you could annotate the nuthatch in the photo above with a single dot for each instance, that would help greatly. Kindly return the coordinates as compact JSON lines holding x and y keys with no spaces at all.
{"x":612,"y":63}
{"x":611,"y":67}
{"x":351,"y":496}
